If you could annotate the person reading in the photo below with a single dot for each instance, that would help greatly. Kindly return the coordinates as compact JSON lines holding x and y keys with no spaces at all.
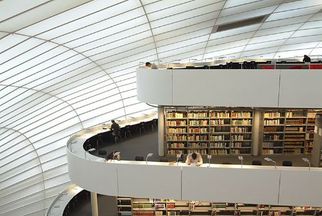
{"x":194,"y":159}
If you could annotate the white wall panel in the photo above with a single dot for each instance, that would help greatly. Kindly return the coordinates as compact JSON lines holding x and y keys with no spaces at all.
{"x":230,"y":185}
{"x":152,"y":82}
{"x":296,"y":85}
{"x":225,"y":88}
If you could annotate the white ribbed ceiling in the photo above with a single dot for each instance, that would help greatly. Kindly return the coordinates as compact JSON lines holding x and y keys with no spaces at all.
{"x":66,"y":65}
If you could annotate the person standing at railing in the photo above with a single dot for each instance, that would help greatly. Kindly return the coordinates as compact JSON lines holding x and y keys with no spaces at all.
{"x":306,"y":59}
{"x":150,"y":65}
{"x":116,"y":131}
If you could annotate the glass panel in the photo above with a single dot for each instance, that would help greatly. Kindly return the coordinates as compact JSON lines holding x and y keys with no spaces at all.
{"x":307,"y":32}
{"x":262,"y":53}
{"x":118,"y":45}
{"x":184,"y":43}
{"x":167,"y":27}
{"x":297,"y":5}
{"x":105,"y":117}
{"x":292,"y":13}
{"x":103,"y":37}
{"x":234,"y":3}
{"x":21,"y":48}
{"x":276,"y":30}
{"x":285,"y":22}
{"x":264,"y":4}
{"x":225,"y":53}
{"x":186,"y":30}
{"x":161,"y":5}
{"x":292,"y":54}
{"x":298,"y":46}
{"x":264,"y":45}
{"x":223,"y":46}
{"x":306,"y":39}
{"x":10,"y":40}
{"x":271,"y":37}
{"x":68,"y":16}
{"x":178,"y":12}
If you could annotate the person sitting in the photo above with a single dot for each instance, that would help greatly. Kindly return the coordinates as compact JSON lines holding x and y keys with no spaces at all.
{"x":114,"y":155}
{"x":116,"y":130}
{"x":194,"y":159}
{"x":306,"y":58}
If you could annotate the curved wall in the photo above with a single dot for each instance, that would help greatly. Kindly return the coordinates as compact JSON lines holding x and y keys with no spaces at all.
{"x":293,"y":186}
{"x":231,"y":88}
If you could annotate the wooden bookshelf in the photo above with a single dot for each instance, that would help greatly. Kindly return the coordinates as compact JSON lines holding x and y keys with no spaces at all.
{"x":168,"y":207}
{"x":288,"y":131}
{"x":208,"y":131}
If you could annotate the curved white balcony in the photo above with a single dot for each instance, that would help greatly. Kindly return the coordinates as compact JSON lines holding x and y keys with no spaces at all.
{"x":293,"y":186}
{"x":231,"y":88}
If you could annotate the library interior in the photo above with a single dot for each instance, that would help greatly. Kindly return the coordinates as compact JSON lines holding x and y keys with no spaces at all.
{"x":161,"y":108}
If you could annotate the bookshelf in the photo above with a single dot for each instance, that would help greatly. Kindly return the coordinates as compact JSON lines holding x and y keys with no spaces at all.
{"x":168,"y":207}
{"x":208,"y":131}
{"x":288,"y":131}
{"x":124,"y":206}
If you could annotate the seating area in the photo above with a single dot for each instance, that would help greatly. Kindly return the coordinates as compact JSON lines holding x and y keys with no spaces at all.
{"x":127,"y":132}
{"x":258,"y":65}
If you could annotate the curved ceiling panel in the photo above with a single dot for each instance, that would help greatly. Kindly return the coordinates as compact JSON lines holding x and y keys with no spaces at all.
{"x":67,"y":65}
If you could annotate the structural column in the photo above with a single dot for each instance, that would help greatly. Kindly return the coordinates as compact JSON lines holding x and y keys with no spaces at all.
{"x":257,"y":124}
{"x":161,"y":131}
{"x":317,"y":142}
{"x":94,"y":204}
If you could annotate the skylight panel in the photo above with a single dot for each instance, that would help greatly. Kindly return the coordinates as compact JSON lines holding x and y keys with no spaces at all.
{"x":183,"y":31}
{"x":160,"y":5}
{"x":184,"y":16}
{"x":184,"y":23}
{"x":189,"y":9}
{"x":91,"y":19}
{"x":298,"y":46}
{"x":298,"y":5}
{"x":234,"y":3}
{"x":68,"y":16}
{"x":308,"y":32}
{"x":292,"y":13}
{"x":184,"y":43}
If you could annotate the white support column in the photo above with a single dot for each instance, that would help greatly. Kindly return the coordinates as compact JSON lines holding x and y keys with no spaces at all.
{"x":94,"y":204}
{"x":161,"y":131}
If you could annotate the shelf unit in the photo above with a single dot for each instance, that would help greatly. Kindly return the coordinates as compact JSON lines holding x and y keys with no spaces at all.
{"x":208,"y":131}
{"x":124,"y":206}
{"x":168,"y":207}
{"x":288,"y":131}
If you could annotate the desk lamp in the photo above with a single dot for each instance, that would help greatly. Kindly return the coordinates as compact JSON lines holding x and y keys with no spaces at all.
{"x":147,"y":157}
{"x":270,"y":160}
{"x":209,"y":158}
{"x":308,"y":162}
{"x":179,"y":157}
{"x":241,"y":158}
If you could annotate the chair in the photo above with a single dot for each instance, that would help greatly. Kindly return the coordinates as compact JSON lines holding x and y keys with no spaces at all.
{"x":139,"y":158}
{"x":287,"y":163}
{"x":163,"y":160}
{"x":257,"y":162}
{"x":102,"y":153}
